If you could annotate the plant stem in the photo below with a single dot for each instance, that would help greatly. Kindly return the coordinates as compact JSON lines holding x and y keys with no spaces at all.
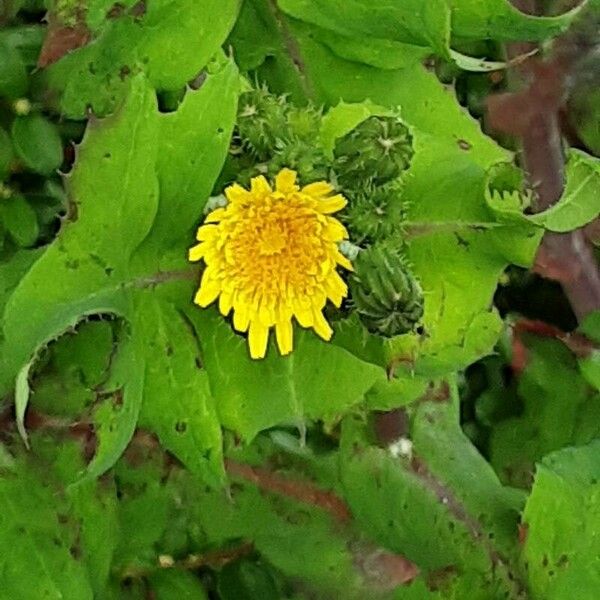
{"x":533,"y":115}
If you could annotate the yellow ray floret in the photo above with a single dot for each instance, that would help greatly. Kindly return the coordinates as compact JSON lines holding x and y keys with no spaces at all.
{"x":271,"y":255}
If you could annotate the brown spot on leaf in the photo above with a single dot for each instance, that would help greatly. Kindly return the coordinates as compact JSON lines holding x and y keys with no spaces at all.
{"x":61,"y":40}
{"x":389,"y":426}
{"x":523,"y":530}
{"x":138,"y":10}
{"x":115,"y":11}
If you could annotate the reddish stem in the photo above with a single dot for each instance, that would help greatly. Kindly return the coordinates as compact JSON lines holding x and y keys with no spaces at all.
{"x":533,"y":115}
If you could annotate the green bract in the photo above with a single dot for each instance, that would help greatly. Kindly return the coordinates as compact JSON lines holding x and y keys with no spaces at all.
{"x":385,"y":293}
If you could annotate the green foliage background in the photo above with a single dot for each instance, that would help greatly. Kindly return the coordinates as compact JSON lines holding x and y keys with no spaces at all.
{"x":157,"y":460}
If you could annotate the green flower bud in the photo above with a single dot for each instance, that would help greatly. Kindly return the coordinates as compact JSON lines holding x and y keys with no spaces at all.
{"x":375,"y":213}
{"x":304,"y":122}
{"x":378,"y":150}
{"x":386,"y":295}
{"x":261,"y":121}
{"x":306,"y":158}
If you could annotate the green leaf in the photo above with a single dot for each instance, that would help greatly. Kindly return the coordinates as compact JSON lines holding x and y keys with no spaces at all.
{"x":20,"y":220}
{"x":500,"y":20}
{"x":247,"y":579}
{"x":116,"y":418}
{"x":110,"y":259}
{"x":311,"y":383}
{"x":27,"y":39}
{"x":343,"y":118}
{"x":37,"y":143}
{"x":176,"y":585}
{"x":552,"y":391}
{"x":11,"y":273}
{"x":427,"y":23}
{"x":580,"y":202}
{"x":194,"y":143}
{"x":178,"y":404}
{"x":578,"y":205}
{"x":561,"y":515}
{"x":448,"y":508}
{"x":83,"y":270}
{"x":421,"y":23}
{"x":6,"y":154}
{"x":13,"y":75}
{"x":92,"y":505}
{"x":97,"y":75}
{"x":39,"y":563}
{"x":95,"y":506}
{"x":73,"y":370}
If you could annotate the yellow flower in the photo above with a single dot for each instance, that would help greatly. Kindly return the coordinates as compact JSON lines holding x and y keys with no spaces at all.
{"x":272,"y":255}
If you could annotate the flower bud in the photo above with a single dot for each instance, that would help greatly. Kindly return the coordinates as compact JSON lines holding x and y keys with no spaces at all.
{"x":386,"y":295}
{"x":378,"y":150}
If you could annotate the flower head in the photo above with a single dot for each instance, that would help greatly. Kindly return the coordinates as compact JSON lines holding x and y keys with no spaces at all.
{"x":271,"y":255}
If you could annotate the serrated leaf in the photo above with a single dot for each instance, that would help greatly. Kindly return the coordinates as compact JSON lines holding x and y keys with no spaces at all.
{"x":39,"y":563}
{"x":578,"y":205}
{"x":97,"y":74}
{"x":561,"y":515}
{"x":445,"y":514}
{"x":311,"y":383}
{"x":580,"y":202}
{"x":98,"y":265}
{"x":178,"y":404}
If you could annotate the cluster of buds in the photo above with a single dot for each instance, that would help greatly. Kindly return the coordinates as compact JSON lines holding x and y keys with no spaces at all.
{"x":368,"y":164}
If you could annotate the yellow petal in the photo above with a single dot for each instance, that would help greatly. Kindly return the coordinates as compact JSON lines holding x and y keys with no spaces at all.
{"x":285,"y":181}
{"x":284,"y":332}
{"x":321,"y":326}
{"x":225,"y":302}
{"x":260,"y":186}
{"x":336,"y":232}
{"x":343,"y":261}
{"x":207,"y":232}
{"x":331,"y":205}
{"x":196,"y":252}
{"x":236,"y":194}
{"x":214,"y":216}
{"x":241,"y":318}
{"x":258,"y":335}
{"x":303,"y":315}
{"x":336,"y":289}
{"x":208,"y":292}
{"x":317,"y":189}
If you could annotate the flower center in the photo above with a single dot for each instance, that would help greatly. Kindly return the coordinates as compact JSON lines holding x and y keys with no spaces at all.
{"x":272,"y":241}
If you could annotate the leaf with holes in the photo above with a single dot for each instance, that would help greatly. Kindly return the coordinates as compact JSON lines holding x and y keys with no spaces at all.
{"x":123,"y":242}
{"x":561,"y":515}
{"x":97,"y":75}
{"x":444,"y":494}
